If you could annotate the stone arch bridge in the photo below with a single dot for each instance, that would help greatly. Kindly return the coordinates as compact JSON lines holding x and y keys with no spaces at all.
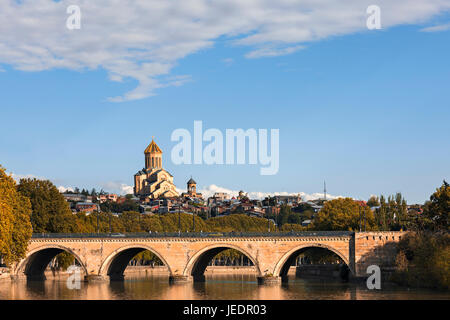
{"x":105,"y":256}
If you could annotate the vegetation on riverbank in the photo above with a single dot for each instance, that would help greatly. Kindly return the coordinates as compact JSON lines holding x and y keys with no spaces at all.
{"x":15,"y":226}
{"x":423,"y":260}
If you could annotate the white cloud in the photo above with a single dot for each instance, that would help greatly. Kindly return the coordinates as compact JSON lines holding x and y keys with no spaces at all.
{"x":228,"y":61}
{"x":17,"y":177}
{"x":144,"y":40}
{"x":438,"y":28}
{"x":111,"y":186}
{"x":117,"y":187}
{"x":211,"y":189}
{"x":272,"y":52}
{"x":63,"y":189}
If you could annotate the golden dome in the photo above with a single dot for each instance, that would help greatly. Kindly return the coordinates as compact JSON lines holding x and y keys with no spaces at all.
{"x":153,"y":148}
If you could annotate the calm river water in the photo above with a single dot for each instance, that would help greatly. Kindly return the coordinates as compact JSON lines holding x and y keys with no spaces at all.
{"x":219,"y":287}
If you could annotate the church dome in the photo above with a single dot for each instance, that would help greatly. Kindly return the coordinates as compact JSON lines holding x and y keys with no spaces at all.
{"x":153,"y":148}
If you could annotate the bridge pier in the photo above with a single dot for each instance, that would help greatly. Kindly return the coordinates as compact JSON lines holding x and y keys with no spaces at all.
{"x":180,"y":279}
{"x":38,"y":277}
{"x":95,"y":278}
{"x":199,"y":278}
{"x":269,"y":280}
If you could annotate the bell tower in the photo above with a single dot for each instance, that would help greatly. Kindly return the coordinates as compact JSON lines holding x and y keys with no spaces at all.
{"x":153,"y":156}
{"x":192,"y":187}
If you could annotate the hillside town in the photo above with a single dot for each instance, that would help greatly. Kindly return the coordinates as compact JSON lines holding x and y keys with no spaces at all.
{"x":155,"y":193}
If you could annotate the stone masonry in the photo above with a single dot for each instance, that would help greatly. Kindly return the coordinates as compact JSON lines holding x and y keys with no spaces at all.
{"x":186,"y":258}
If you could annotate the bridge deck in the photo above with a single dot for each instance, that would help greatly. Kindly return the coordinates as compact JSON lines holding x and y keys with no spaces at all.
{"x":195,"y":234}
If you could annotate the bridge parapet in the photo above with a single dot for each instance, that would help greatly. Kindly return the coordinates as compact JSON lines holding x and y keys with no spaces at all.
{"x":208,"y":235}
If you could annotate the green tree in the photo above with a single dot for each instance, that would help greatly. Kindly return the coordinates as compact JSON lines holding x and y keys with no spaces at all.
{"x":87,"y":223}
{"x":147,"y":257}
{"x":15,"y":226}
{"x":64,"y":260}
{"x":131,"y":221}
{"x":423,"y":260}
{"x":152,"y":223}
{"x":392,"y":213}
{"x":373,"y":202}
{"x":50,"y":212}
{"x":269,"y":201}
{"x":436,"y":211}
{"x":238,"y":223}
{"x":294,"y":218}
{"x":230,"y":257}
{"x":292,"y":227}
{"x":316,"y":255}
{"x":401,"y":209}
{"x":343,"y":214}
{"x":381,"y":215}
{"x":283,"y":216}
{"x":305,"y":210}
{"x":127,"y":205}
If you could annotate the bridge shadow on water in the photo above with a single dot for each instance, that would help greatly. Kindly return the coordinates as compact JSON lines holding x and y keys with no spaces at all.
{"x":36,"y":287}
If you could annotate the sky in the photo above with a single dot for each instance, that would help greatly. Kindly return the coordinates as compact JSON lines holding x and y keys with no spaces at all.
{"x":367,"y":111}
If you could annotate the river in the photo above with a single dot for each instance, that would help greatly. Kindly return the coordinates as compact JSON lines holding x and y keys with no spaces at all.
{"x":218,"y":287}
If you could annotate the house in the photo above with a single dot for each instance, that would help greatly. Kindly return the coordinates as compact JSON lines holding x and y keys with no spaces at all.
{"x":74,"y":197}
{"x":107,"y":197}
{"x":291,"y":200}
{"x":221,"y":196}
{"x":87,"y":207}
{"x":271,"y":210}
{"x":305,"y":223}
{"x":148,"y":209}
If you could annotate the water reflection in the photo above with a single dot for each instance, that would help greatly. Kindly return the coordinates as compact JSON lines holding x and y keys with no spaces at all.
{"x":220,"y":287}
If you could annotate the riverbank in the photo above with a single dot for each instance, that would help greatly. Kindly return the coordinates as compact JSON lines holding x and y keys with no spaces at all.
{"x":163,"y":271}
{"x":306,"y":271}
{"x":4,"y":274}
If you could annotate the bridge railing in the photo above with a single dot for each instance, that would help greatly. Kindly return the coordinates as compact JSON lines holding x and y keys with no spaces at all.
{"x":194,"y":234}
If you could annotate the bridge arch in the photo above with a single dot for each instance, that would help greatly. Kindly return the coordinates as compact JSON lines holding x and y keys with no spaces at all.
{"x":115,"y":264}
{"x":197,"y":264}
{"x":34,"y":264}
{"x":282,"y":266}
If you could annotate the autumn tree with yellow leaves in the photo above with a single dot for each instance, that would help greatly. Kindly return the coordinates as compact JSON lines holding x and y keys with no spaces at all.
{"x":15,"y":225}
{"x":344,"y":214}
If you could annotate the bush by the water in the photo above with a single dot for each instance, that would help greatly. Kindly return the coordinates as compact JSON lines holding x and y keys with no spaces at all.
{"x":423,"y":260}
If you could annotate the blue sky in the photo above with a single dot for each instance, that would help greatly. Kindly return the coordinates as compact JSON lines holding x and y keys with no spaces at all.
{"x":367,"y":111}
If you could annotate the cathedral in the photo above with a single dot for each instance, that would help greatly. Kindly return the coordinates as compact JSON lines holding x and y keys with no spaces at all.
{"x":153,"y":182}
